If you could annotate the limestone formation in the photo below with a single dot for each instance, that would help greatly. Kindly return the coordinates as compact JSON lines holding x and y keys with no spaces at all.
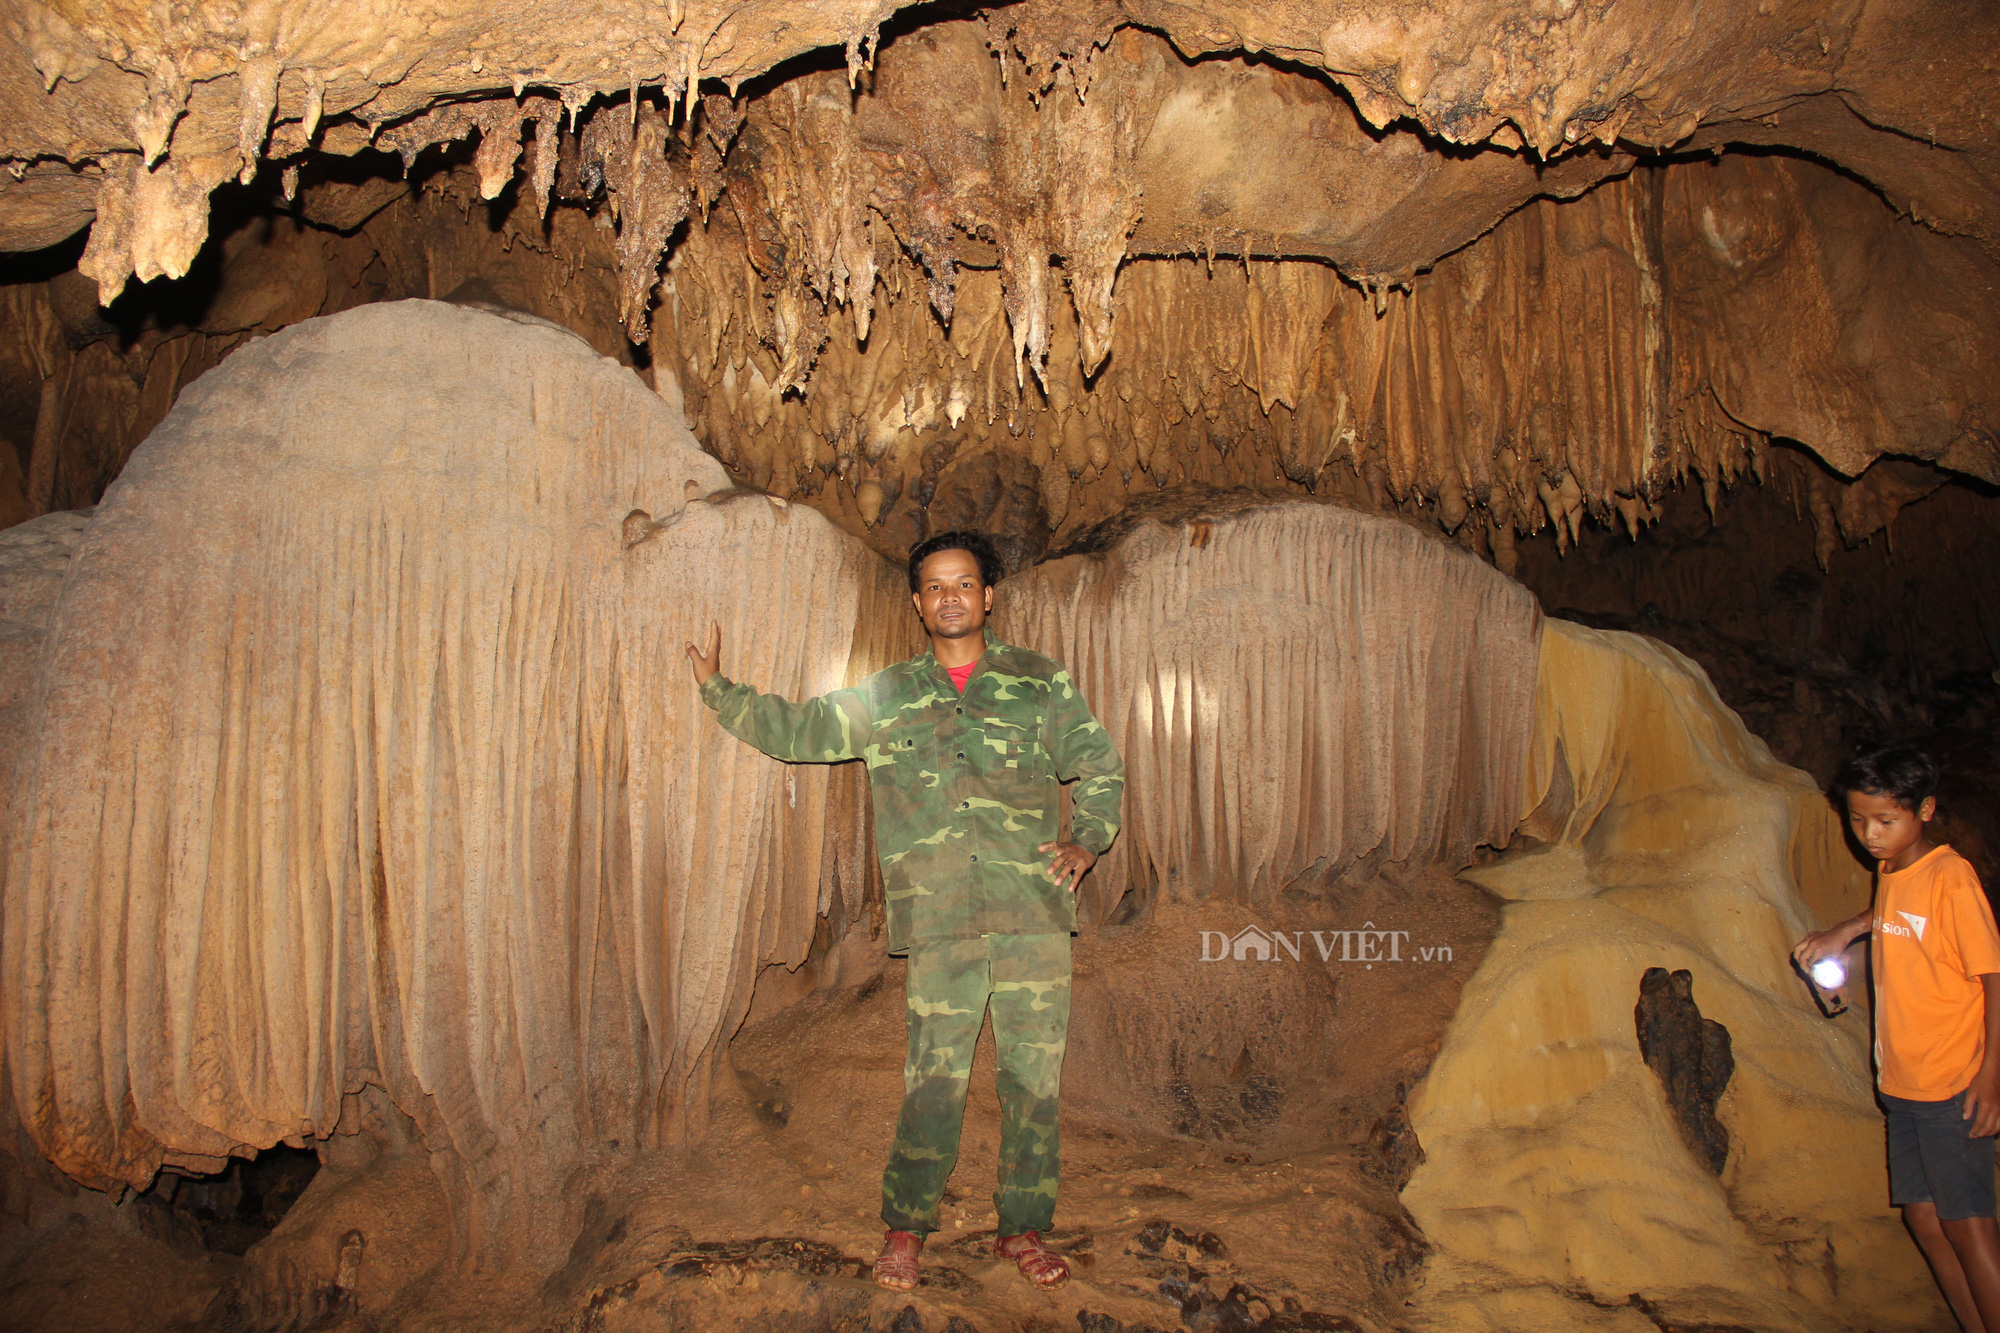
{"x":35,"y":556}
{"x":331,"y":785}
{"x":220,"y":92}
{"x":375,"y":816}
{"x":409,"y":791}
{"x":1304,"y":695}
{"x":353,"y":797}
{"x":1663,"y":836}
{"x":1295,"y":688}
{"x":1691,"y":1057}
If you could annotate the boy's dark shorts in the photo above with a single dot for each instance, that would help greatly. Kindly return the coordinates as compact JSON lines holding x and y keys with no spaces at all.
{"x":1932,"y":1159}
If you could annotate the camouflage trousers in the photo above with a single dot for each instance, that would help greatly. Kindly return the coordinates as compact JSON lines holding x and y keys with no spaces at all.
{"x":1025,"y":981}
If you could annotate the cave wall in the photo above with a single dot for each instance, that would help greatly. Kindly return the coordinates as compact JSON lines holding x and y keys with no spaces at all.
{"x":1297,"y":690}
{"x":1526,"y":278}
{"x":1659,"y":831}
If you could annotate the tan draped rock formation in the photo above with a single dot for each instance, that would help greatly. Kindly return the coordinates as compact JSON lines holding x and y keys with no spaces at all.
{"x":1315,"y":705}
{"x":326,"y":786}
{"x":1296,"y":688}
{"x":35,"y":557}
{"x":364,"y":753}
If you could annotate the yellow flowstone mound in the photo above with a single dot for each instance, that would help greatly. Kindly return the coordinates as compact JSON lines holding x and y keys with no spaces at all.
{"x":1557,"y":1188}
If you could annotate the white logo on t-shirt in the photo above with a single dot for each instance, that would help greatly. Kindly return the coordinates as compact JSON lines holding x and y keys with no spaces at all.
{"x":1917,"y":923}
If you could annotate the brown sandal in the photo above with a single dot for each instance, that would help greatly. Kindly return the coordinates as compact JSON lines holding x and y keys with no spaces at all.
{"x":896,"y":1266}
{"x":1037,"y":1262}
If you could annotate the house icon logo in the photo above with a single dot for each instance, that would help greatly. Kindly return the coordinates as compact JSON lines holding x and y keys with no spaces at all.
{"x":1251,"y":941}
{"x":1248,"y":944}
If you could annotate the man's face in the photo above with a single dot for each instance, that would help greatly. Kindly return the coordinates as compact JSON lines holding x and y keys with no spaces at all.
{"x":1886,"y":827}
{"x":950,"y":597}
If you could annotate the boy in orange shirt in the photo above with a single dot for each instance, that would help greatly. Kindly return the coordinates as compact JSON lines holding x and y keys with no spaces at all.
{"x":1936,"y":960}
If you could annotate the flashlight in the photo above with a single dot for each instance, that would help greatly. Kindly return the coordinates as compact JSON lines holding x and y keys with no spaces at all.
{"x":1829,"y":974}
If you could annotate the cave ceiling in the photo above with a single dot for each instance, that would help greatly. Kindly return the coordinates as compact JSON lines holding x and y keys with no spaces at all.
{"x":1525,"y":263}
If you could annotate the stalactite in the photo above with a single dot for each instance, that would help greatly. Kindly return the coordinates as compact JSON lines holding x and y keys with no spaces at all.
{"x":880,"y":265}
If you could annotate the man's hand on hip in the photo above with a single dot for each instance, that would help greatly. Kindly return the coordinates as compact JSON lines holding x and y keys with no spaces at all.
{"x":1069,"y":864}
{"x":707,"y":659}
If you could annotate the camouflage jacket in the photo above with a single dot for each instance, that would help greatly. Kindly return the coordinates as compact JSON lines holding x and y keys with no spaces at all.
{"x":964,"y":787}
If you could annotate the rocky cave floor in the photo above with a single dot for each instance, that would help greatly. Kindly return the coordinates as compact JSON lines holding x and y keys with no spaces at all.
{"x":1274,"y":1207}
{"x":1160,"y":1233}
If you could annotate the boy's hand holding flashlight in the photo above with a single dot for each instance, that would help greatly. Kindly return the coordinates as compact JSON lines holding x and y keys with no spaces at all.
{"x":1822,"y":957}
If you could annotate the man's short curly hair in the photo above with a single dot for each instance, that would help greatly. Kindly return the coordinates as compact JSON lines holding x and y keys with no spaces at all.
{"x":1902,"y":772}
{"x":975,"y":544}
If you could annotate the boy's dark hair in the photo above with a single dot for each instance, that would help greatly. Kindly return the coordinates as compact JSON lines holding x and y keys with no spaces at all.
{"x":1902,"y":772}
{"x":974,"y":544}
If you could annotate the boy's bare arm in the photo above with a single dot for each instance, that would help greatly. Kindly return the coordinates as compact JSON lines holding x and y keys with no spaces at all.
{"x":1831,"y":942}
{"x":1982,"y":1099}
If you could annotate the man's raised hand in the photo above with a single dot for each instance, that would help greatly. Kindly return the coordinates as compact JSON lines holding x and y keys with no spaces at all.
{"x":708,"y":658}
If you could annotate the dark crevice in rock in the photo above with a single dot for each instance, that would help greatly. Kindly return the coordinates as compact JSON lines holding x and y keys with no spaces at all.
{"x":1691,"y":1056}
{"x":234,"y":1208}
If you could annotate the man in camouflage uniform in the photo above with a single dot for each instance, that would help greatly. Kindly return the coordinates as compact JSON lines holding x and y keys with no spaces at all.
{"x":965,"y":746}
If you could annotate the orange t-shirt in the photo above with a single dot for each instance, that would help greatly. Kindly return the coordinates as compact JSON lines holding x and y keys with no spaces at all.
{"x":1933,"y":938}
